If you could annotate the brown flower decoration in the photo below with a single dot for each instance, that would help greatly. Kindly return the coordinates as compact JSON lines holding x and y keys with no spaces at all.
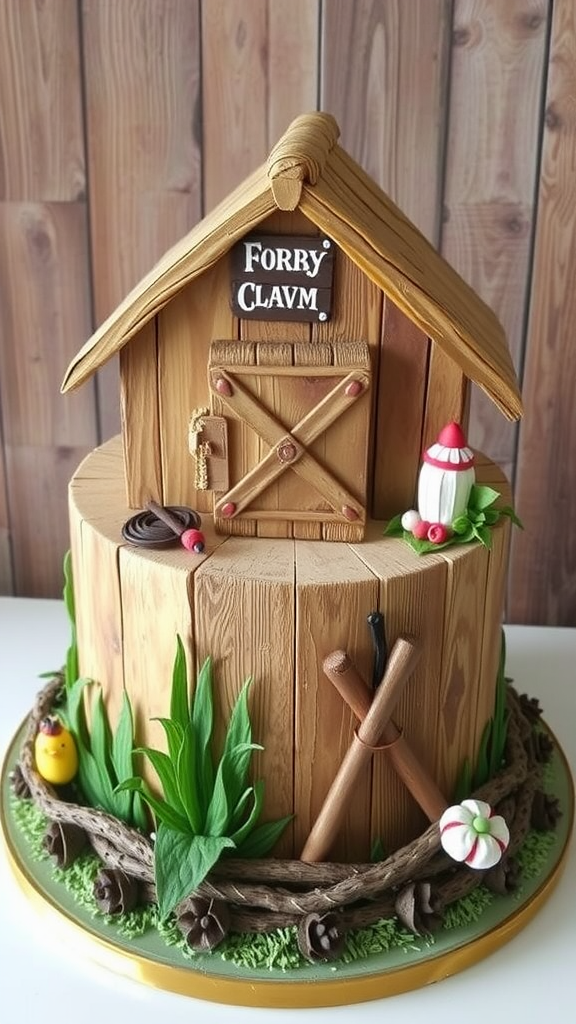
{"x":115,"y":892}
{"x":64,"y":842}
{"x":320,"y":937}
{"x":417,"y":908}
{"x":204,"y":923}
{"x":545,"y":811}
{"x":18,"y":784}
{"x":504,"y":877}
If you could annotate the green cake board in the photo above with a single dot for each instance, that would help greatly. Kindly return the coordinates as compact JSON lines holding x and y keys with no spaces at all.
{"x":150,"y":960}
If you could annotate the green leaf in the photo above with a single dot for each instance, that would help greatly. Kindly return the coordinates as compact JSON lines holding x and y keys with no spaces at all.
{"x":186,"y":779}
{"x":507,"y":510}
{"x":163,"y":812}
{"x":244,"y":831}
{"x":100,"y":736}
{"x":424,"y":547}
{"x":229,"y":786}
{"x":238,"y":813}
{"x":482,"y":497}
{"x":181,"y":864}
{"x":75,"y":710}
{"x":174,"y":735}
{"x":263,"y":838}
{"x":465,"y":538}
{"x":179,"y":712}
{"x":71,"y":670}
{"x":122,"y":760}
{"x":89,"y":776}
{"x":203,"y":722}
{"x":484,"y":535}
{"x":68,"y":593}
{"x":461,"y":524}
{"x":166,"y":772}
{"x":138,"y":814}
{"x":394,"y":527}
{"x":491,"y":516}
{"x":464,"y":787}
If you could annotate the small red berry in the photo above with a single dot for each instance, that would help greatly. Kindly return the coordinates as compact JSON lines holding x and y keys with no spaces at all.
{"x":437,"y":533}
{"x":420,"y":530}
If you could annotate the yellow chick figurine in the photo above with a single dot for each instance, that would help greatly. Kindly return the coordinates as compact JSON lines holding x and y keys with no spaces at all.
{"x":55,"y":752}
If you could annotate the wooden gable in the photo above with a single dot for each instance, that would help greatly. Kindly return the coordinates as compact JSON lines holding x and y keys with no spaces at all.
{"x":392,"y":293}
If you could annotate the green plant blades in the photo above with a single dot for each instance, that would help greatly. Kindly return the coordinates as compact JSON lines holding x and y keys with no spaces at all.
{"x":186,"y":779}
{"x":122,"y":761}
{"x":179,"y":711}
{"x":181,"y":863}
{"x":174,"y":735}
{"x":263,"y":838}
{"x":257,"y":790}
{"x":166,"y":772}
{"x":162,"y":811}
{"x":75,"y":711}
{"x":203,"y":723}
{"x":481,"y":497}
{"x":229,"y":786}
{"x":100,"y":735}
{"x":71,"y":671}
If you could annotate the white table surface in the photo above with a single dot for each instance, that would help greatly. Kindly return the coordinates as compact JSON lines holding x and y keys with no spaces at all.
{"x":531,"y":979}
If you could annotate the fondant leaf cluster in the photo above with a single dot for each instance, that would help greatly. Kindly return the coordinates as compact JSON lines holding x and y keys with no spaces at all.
{"x":473,"y":525}
{"x":105,"y":757}
{"x":206,"y":807}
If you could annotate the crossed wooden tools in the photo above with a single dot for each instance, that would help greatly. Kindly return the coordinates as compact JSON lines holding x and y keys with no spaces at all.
{"x":376,"y":731}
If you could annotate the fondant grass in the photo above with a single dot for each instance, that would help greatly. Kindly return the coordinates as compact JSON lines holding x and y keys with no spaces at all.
{"x":274,"y":950}
{"x":533,"y":853}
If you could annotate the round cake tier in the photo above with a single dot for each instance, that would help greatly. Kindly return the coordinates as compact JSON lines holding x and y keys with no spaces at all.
{"x":274,"y":609}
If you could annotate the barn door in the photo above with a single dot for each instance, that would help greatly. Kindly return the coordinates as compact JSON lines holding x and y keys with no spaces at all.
{"x":298,"y":418}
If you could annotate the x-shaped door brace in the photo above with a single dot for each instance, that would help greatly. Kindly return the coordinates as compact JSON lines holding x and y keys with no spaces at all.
{"x":288,"y":449}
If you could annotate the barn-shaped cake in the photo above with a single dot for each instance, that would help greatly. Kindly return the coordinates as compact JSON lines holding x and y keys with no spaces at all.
{"x":282,"y":369}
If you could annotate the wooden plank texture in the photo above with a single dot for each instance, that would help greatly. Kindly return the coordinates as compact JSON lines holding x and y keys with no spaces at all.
{"x":139,"y":404}
{"x":543,"y":570}
{"x":247,"y":47}
{"x":411,"y":599}
{"x":125,"y":79}
{"x":6,"y":573}
{"x":498,"y":55}
{"x":45,"y":435}
{"x":199,"y":314}
{"x":42,"y":153}
{"x":244,"y":619}
{"x":142,"y":67}
{"x":335,"y":593}
{"x":384,"y":68}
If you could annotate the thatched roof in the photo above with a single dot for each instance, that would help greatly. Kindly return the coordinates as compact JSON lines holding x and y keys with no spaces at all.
{"x":309,"y":171}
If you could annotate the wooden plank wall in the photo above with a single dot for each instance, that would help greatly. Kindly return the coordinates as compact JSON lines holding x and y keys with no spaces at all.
{"x":122,"y":123}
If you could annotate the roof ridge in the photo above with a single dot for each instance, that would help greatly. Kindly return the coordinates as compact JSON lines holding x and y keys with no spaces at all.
{"x":300,"y":155}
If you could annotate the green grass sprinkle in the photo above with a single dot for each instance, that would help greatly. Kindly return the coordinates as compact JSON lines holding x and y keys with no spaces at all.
{"x":276,"y":950}
{"x":381,"y":937}
{"x":534,"y":852}
{"x":468,"y":909}
{"x":271,"y":950}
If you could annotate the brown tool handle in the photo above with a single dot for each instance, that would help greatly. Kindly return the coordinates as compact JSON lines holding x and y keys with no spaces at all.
{"x":170,"y":520}
{"x":352,"y":688}
{"x":401,"y":663}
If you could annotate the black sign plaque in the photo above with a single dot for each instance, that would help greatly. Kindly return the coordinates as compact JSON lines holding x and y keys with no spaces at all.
{"x":283,"y":277}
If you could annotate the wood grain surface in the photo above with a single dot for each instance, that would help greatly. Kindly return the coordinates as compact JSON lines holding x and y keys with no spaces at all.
{"x":121,"y":124}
